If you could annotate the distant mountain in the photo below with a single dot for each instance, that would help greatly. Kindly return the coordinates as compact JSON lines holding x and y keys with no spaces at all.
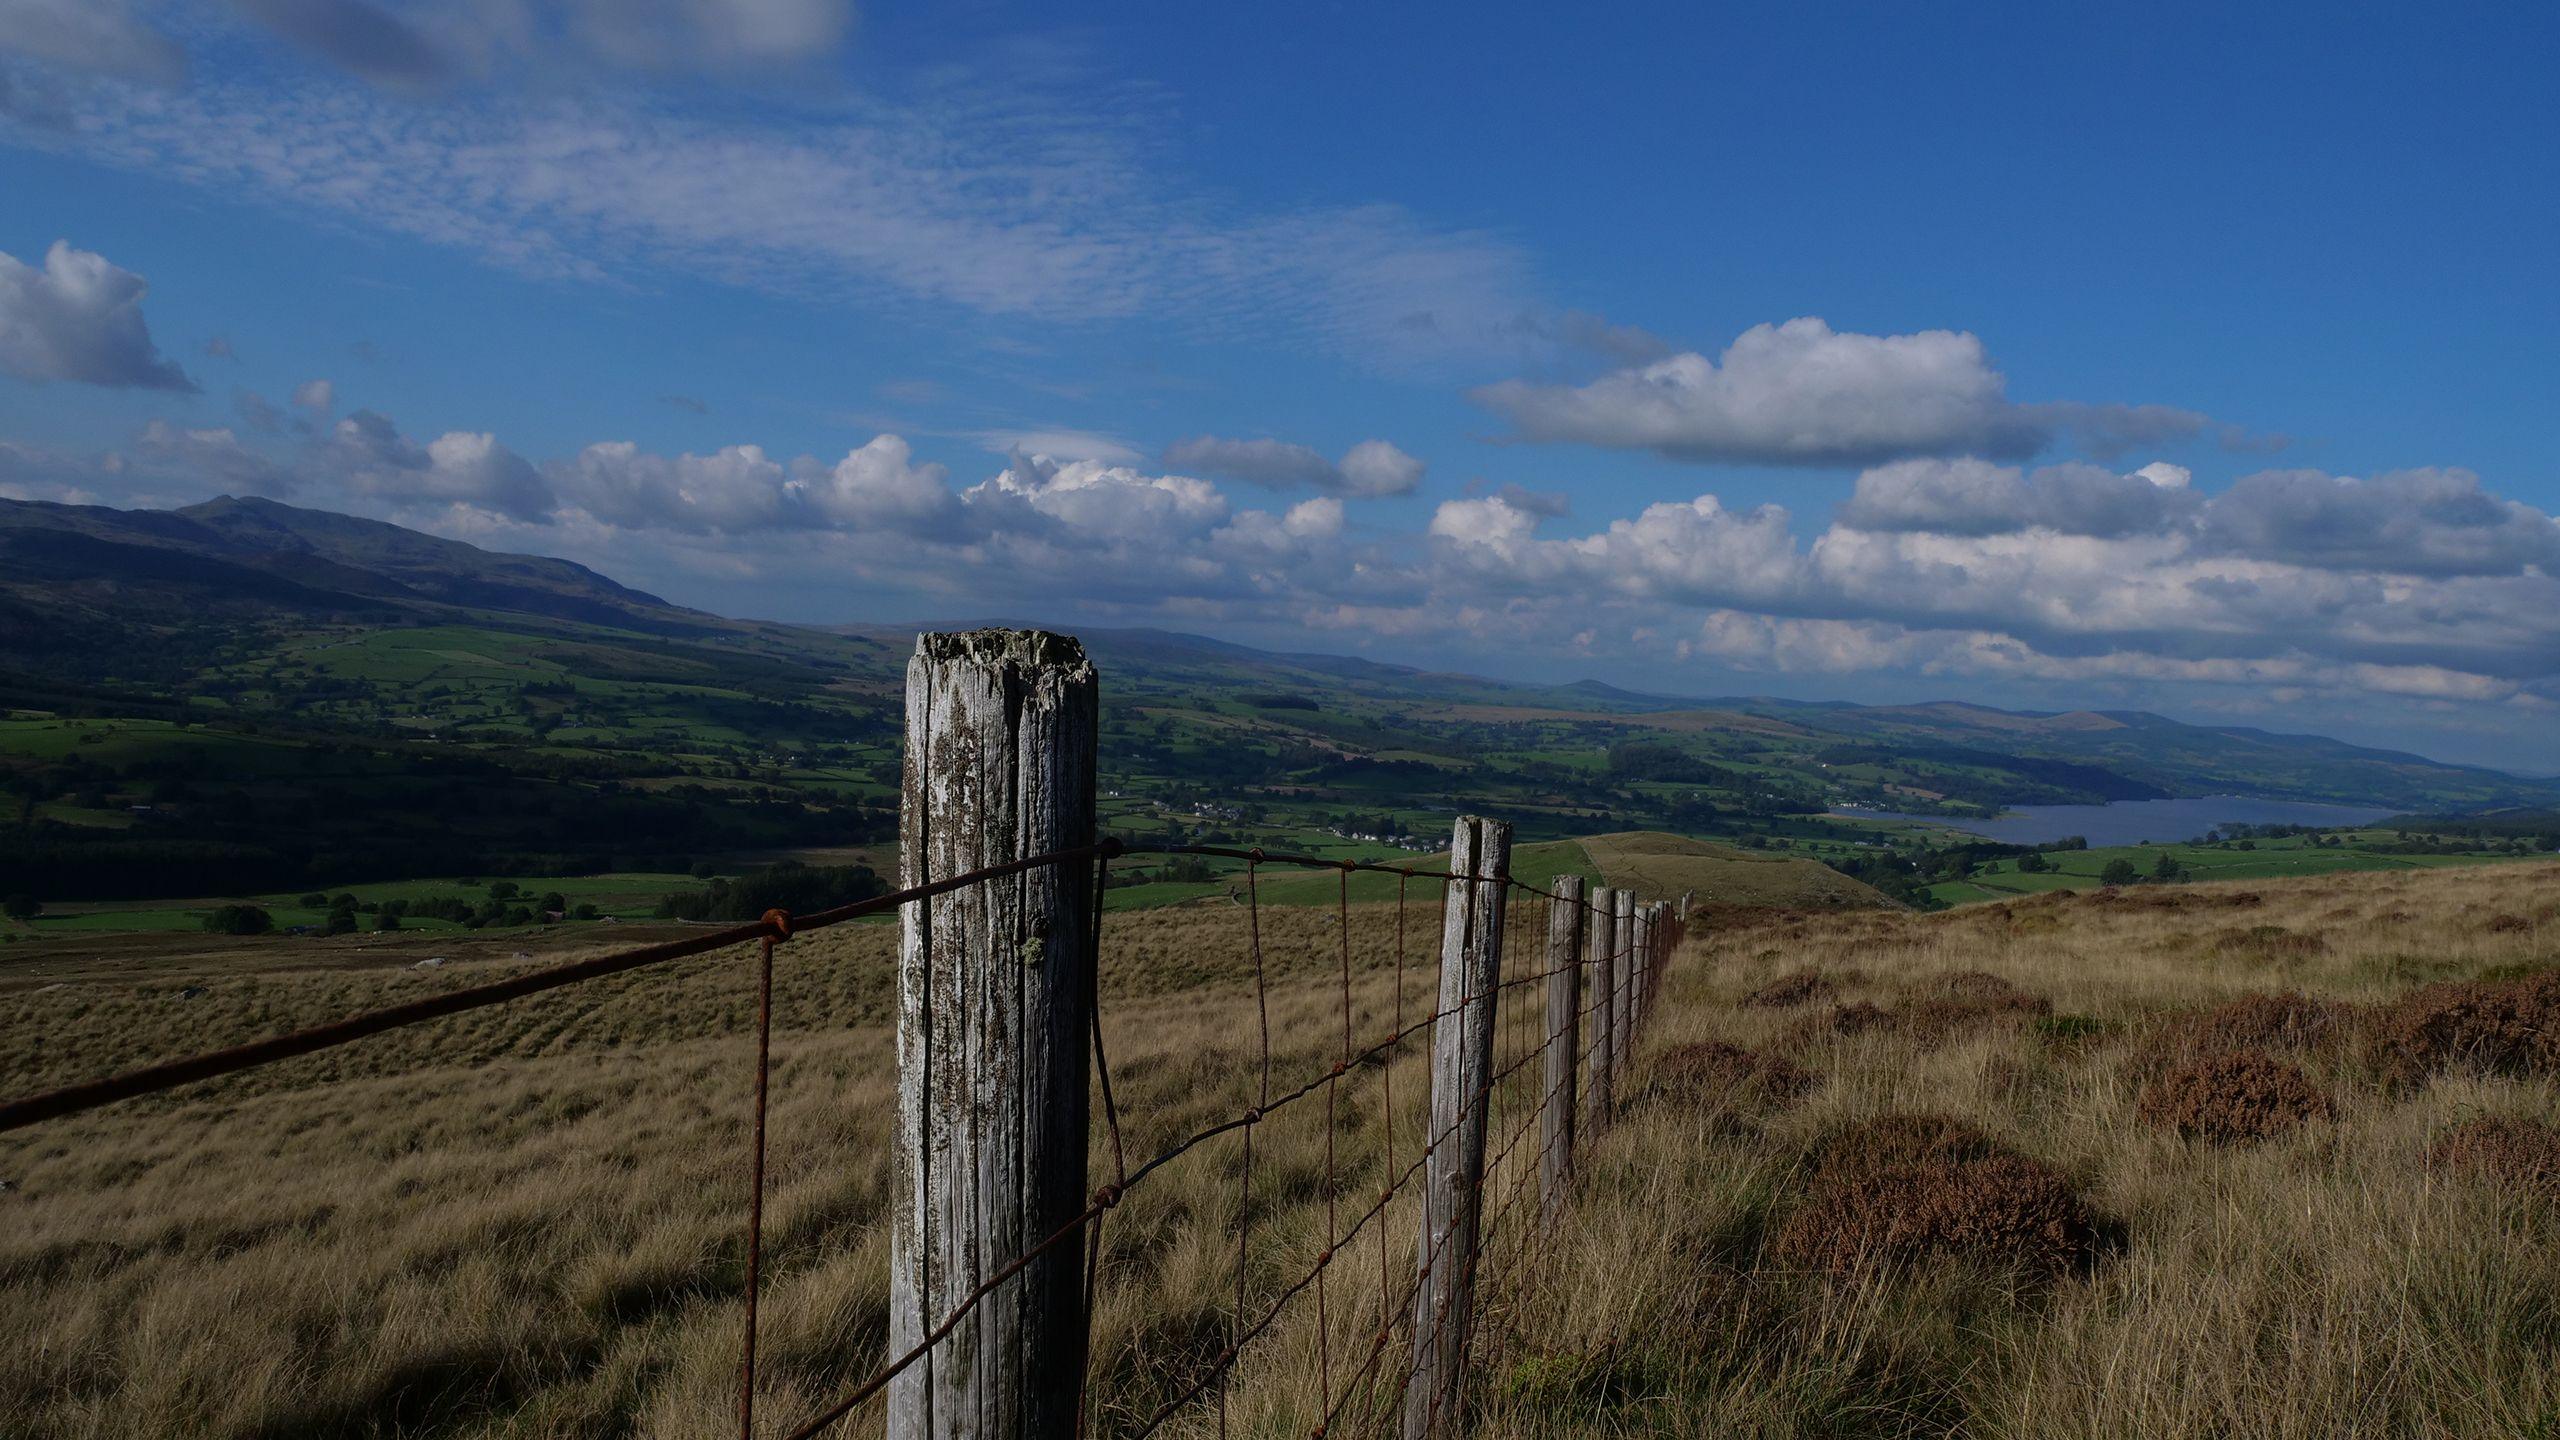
{"x":64,"y":569}
{"x":158,"y":596}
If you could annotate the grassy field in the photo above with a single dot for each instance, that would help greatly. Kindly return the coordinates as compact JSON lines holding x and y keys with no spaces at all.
{"x":1663,"y":867}
{"x":626,"y":896}
{"x":2292,"y":856}
{"x":524,"y":1221}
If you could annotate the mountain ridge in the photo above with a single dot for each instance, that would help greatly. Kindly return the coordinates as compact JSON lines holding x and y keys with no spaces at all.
{"x":82,"y":584}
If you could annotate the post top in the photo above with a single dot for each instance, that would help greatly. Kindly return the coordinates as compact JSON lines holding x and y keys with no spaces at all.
{"x":1033,"y":649}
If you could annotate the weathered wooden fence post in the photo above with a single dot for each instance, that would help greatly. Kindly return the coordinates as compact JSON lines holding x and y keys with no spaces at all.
{"x":1564,"y":1044}
{"x":1461,"y":1093}
{"x":1623,"y":1022}
{"x":993,"y":1026}
{"x":1601,"y":1087}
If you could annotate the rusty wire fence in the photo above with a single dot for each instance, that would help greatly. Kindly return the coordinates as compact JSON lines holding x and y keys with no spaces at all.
{"x":1315,"y":1230}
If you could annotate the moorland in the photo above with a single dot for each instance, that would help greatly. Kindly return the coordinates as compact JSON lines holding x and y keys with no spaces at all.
{"x":2229,"y":1158}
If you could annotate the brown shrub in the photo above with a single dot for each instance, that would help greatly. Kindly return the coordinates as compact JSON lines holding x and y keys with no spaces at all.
{"x":1712,"y":1072}
{"x":1965,"y":1000}
{"x":2514,"y":1152}
{"x":1903,"y":1138}
{"x":1913,"y":1187}
{"x":2506,"y":1027}
{"x":1978,"y":985}
{"x":2289,"y":1020}
{"x":2506,"y":924}
{"x":2247,"y":1095}
{"x":1796,"y":987}
{"x":2268,"y":942}
{"x":1855,"y":1018}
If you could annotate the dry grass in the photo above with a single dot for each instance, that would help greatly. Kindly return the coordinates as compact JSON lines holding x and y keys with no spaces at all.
{"x":524,"y":1222}
{"x":2372,"y":1275}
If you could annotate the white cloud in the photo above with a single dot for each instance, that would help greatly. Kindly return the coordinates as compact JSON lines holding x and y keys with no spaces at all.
{"x":2420,"y":522}
{"x":1976,"y":497}
{"x":2289,"y":589}
{"x":80,"y":319}
{"x":1799,"y":393}
{"x":367,"y":455}
{"x":879,"y":485}
{"x":1372,"y":469}
{"x":317,"y":396}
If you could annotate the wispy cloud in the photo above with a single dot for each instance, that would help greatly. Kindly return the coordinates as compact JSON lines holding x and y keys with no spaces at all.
{"x":1045,"y":193}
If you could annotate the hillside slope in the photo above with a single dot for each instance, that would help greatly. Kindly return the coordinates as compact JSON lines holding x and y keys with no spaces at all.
{"x":1658,"y":866}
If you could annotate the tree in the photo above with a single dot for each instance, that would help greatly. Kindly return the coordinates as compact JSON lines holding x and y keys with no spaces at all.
{"x":21,"y":908}
{"x":388,"y":921}
{"x":2168,"y":869}
{"x":2033,"y":863}
{"x":502,"y":889}
{"x":2119,"y":871}
{"x":239,"y":920}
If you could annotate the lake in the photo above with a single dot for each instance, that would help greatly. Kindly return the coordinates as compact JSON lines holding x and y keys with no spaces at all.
{"x":2130,"y":822}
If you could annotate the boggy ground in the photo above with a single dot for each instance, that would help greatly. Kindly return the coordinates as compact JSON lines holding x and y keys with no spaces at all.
{"x":2205,"y":1161}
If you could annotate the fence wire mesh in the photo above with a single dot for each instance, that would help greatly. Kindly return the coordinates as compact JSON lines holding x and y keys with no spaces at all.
{"x":1224,"y":1263}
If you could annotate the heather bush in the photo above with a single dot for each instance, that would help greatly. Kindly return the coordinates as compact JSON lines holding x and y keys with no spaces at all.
{"x":2246,"y":1095}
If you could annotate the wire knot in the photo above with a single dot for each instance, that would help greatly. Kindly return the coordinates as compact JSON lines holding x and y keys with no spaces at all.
{"x":1341,"y":1067}
{"x":779,"y":922}
{"x":1112,"y":848}
{"x":1108,"y":1197}
{"x":1253,"y":1115}
{"x":1254,"y":854}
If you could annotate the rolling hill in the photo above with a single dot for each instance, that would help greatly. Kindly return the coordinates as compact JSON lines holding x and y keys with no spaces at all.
{"x":248,"y":695}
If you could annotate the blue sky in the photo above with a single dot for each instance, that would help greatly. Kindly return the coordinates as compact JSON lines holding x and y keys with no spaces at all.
{"x":2196,"y":360}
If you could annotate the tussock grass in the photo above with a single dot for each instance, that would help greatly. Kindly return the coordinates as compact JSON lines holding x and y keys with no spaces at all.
{"x":524,"y":1222}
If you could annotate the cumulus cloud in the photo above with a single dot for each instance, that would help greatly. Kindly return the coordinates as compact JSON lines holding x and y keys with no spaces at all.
{"x":2419,"y":522}
{"x":1804,"y":394}
{"x":1976,"y":497}
{"x":79,"y":319}
{"x":1372,"y":469}
{"x":99,"y":37}
{"x":2422,"y":587}
{"x":1799,"y":393}
{"x":367,"y":455}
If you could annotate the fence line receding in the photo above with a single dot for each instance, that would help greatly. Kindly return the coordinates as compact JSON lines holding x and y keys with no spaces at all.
{"x":1000,"y":1236}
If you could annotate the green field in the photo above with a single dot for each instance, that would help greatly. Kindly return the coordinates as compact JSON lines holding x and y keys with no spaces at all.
{"x":632,"y":896}
{"x":2271,"y":859}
